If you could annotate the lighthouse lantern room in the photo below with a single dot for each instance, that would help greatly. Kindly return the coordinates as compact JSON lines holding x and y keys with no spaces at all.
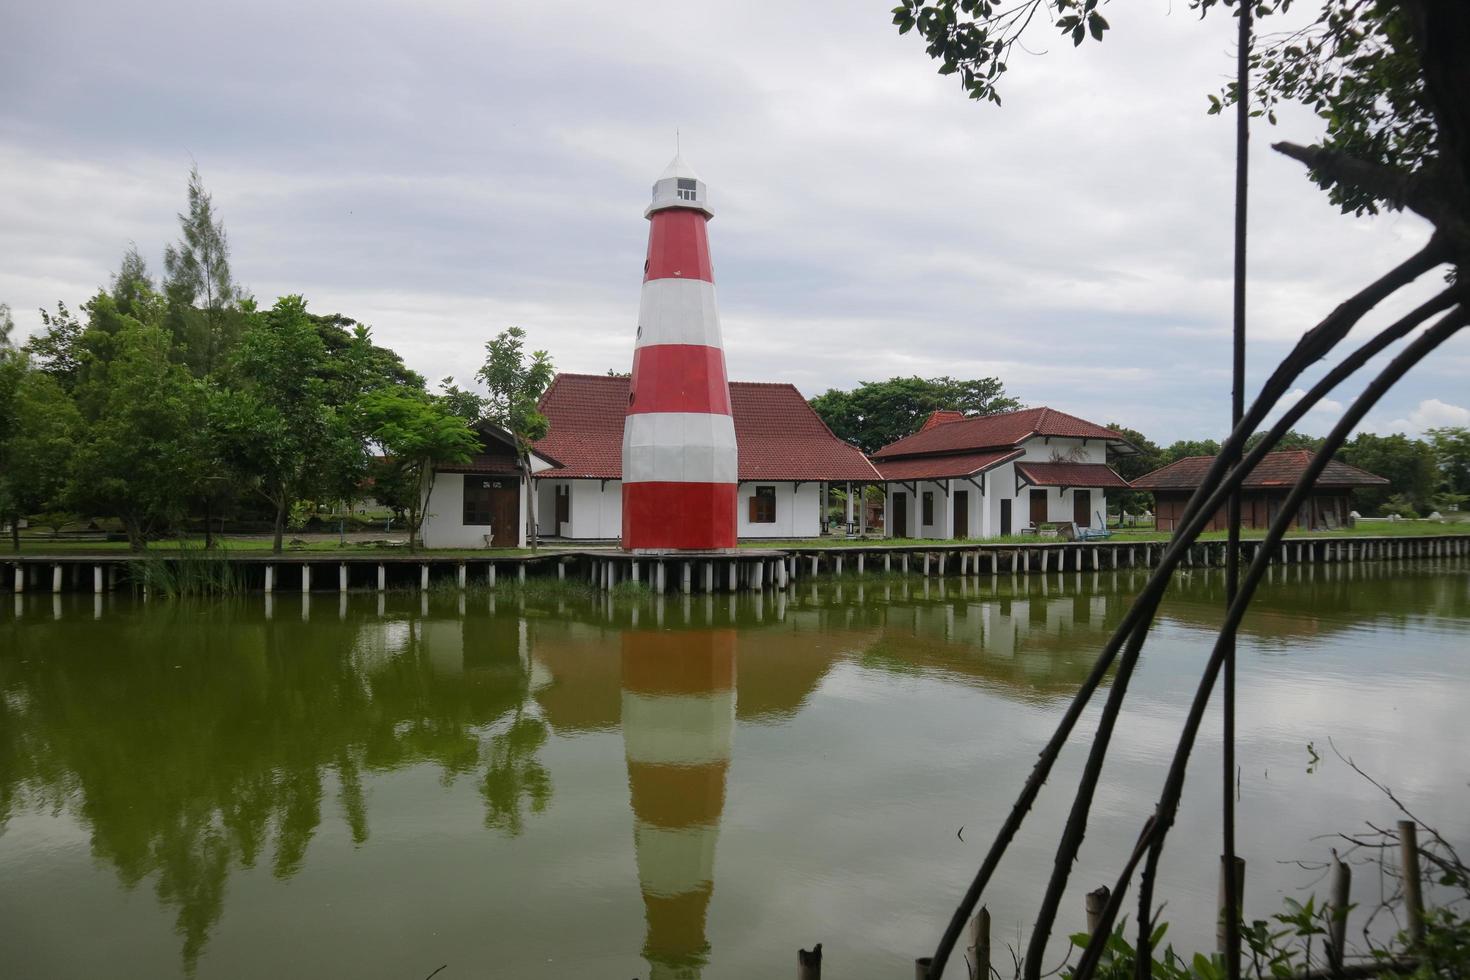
{"x":679,"y":453}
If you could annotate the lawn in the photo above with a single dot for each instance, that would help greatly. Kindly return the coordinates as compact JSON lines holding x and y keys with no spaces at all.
{"x":254,"y":547}
{"x":328,"y":546}
{"x":1129,"y":536}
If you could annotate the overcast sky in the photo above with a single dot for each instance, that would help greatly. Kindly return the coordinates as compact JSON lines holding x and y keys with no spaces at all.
{"x":443,"y":170}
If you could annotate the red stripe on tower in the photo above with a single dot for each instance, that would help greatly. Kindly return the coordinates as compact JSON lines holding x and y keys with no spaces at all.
{"x":678,"y":247}
{"x":679,"y":453}
{"x":679,"y":378}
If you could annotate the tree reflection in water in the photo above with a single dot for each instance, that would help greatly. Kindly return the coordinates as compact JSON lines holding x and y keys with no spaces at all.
{"x":188,"y":759}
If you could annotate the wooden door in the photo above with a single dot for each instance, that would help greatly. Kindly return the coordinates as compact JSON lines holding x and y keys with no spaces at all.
{"x":1038,"y":507}
{"x":563,"y":507}
{"x":962,"y":513}
{"x":492,"y":504}
{"x":1005,"y":517}
{"x":1082,"y":508}
{"x":900,"y":528}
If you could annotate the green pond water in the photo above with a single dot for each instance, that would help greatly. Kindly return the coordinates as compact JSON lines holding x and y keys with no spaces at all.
{"x":577,"y":786}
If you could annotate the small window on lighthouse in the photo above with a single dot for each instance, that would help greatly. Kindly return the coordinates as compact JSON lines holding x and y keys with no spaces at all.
{"x":687,"y":188}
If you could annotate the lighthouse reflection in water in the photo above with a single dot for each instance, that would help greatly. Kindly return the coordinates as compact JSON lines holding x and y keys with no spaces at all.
{"x":678,"y":692}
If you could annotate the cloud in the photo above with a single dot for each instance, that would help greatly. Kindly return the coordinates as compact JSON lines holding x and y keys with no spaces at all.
{"x":444,"y":170}
{"x":1430,"y":414}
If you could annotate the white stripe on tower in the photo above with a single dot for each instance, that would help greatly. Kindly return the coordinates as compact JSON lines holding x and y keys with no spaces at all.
{"x":678,"y":311}
{"x":679,"y":447}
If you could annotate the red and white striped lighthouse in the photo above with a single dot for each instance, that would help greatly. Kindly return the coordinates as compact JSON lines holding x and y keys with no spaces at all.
{"x":679,"y":457}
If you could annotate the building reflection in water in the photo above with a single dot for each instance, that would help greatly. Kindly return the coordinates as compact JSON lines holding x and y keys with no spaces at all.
{"x":678,"y":713}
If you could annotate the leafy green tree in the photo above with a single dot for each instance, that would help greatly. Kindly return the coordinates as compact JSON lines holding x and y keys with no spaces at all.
{"x":515,"y":385}
{"x":354,"y":364}
{"x":1291,"y":440}
{"x":7,"y":328}
{"x":468,"y":405}
{"x":131,"y":301}
{"x":37,"y":454}
{"x":275,"y":420}
{"x":1451,"y":446}
{"x":876,"y":413}
{"x":417,"y":434}
{"x":204,"y":301}
{"x":134,"y":292}
{"x":139,"y":458}
{"x":57,"y":348}
{"x":12,"y":370}
{"x":1183,"y":448}
{"x":1408,"y":465}
{"x":1131,"y":466}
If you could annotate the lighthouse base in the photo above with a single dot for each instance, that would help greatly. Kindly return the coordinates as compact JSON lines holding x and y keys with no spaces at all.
{"x":669,"y":517}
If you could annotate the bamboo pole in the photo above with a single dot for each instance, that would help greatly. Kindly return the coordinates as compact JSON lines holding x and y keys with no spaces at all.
{"x":809,"y":963}
{"x":1097,"y":901}
{"x":980,"y":945}
{"x":1228,"y":897}
{"x":1342,"y":880}
{"x":1413,"y":893}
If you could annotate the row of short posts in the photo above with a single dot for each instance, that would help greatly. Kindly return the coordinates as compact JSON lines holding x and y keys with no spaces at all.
{"x":1339,"y":904}
{"x":104,"y":577}
{"x":461,"y":575}
{"x":780,"y":572}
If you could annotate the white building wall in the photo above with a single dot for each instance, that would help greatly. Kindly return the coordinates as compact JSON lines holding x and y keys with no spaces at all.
{"x":1056,"y":449}
{"x":596,"y":509}
{"x":798,"y":511}
{"x":444,"y":515}
{"x":1059,"y":504}
{"x":1000,"y":484}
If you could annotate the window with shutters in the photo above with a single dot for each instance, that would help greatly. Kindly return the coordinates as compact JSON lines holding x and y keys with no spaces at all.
{"x":763,"y":506}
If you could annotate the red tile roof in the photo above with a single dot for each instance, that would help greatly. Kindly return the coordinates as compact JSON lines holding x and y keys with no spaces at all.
{"x":995,"y":431}
{"x":1089,"y":475}
{"x":943,"y":467}
{"x":1281,"y":469}
{"x":586,"y":434}
{"x":939,"y":417}
{"x":778,"y":435}
{"x":781,"y":438}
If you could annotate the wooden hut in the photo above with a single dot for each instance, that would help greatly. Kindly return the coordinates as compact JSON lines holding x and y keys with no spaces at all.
{"x":1329,"y":507}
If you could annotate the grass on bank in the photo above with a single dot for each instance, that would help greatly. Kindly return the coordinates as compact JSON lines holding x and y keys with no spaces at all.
{"x":1123,"y":536}
{"x":256,"y":546}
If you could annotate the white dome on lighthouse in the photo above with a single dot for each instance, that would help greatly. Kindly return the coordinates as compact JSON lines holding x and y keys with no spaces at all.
{"x":679,"y":187}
